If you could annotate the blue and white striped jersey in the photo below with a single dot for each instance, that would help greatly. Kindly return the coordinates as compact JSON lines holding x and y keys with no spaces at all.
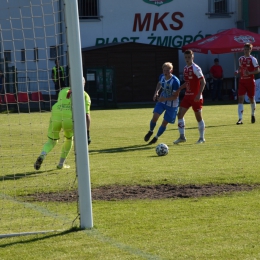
{"x":168,"y":87}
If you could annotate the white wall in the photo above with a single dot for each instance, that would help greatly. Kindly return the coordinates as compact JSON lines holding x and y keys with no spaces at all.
{"x":178,"y":22}
{"x":190,"y":20}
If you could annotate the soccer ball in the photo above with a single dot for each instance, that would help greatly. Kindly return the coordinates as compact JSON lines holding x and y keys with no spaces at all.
{"x":162,"y":149}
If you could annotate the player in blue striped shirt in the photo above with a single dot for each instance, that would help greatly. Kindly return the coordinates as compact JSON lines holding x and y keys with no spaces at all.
{"x":169,"y":84}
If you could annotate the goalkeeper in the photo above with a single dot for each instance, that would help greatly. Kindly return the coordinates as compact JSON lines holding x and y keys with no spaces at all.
{"x":61,"y":118}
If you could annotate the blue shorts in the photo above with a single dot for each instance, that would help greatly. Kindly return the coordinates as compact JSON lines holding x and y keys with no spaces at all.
{"x":170,"y":112}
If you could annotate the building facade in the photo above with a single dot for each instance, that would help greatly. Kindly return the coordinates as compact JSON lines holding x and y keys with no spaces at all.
{"x":171,"y":23}
{"x":32,"y":45}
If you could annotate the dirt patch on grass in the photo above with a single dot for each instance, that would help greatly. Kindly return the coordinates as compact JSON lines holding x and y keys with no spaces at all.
{"x":117,"y":192}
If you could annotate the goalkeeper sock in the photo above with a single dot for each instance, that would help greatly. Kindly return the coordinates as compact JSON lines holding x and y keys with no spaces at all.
{"x":62,"y":161}
{"x":43,"y":155}
{"x":66,"y":147}
{"x":48,"y":146}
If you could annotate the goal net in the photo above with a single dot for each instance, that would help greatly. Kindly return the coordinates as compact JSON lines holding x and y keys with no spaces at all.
{"x":33,"y":35}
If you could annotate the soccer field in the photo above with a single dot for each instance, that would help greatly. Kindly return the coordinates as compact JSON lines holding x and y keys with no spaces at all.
{"x":220,"y":225}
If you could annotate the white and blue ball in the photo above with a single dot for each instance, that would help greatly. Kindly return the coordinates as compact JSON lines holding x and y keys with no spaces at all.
{"x":162,"y":149}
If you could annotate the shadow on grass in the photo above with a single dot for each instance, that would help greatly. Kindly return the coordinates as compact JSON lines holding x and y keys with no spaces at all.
{"x":143,"y":146}
{"x":123,"y":149}
{"x":17,"y":176}
{"x":207,"y":126}
{"x":43,"y":237}
{"x":206,"y":102}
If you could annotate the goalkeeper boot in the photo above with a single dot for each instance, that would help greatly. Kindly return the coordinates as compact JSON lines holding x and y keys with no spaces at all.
{"x":89,"y":141}
{"x":252,"y":119}
{"x":38,"y":163}
{"x":147,"y":136}
{"x":63,"y":166}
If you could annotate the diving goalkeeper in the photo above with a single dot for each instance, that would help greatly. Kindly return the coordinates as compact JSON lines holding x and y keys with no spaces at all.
{"x":61,"y":118}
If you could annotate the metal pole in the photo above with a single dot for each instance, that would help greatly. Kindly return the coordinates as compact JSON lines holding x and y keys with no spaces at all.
{"x":79,"y":113}
{"x":235,"y":68}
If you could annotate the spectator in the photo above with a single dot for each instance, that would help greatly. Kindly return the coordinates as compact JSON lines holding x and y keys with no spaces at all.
{"x":58,"y":74}
{"x":216,"y":73}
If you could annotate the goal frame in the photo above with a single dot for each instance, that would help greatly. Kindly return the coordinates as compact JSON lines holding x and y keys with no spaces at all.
{"x":62,"y":31}
{"x":79,"y":113}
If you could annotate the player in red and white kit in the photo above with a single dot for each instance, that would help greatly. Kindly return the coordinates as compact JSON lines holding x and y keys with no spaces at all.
{"x":248,"y":67}
{"x":194,"y":84}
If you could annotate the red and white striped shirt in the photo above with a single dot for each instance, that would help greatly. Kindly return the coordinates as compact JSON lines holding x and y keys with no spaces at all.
{"x":247,"y":64}
{"x":192,"y":76}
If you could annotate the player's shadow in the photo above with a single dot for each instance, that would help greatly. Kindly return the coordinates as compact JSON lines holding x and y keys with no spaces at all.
{"x":17,"y":176}
{"x":207,"y":126}
{"x":123,"y":149}
{"x":212,"y":126}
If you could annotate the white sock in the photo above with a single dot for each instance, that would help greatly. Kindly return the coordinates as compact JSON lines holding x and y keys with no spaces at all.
{"x":240,"y":111}
{"x":253,"y":106}
{"x":181,"y":126}
{"x":201,"y":126}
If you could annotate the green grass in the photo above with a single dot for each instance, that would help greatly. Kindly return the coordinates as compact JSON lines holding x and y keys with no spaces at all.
{"x":217,"y":227}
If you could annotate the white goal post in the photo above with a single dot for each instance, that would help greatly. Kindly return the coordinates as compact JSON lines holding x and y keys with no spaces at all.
{"x":81,"y":144}
{"x":33,"y":35}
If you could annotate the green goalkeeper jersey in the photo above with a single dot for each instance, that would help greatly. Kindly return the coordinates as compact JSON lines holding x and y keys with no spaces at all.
{"x":63,"y":105}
